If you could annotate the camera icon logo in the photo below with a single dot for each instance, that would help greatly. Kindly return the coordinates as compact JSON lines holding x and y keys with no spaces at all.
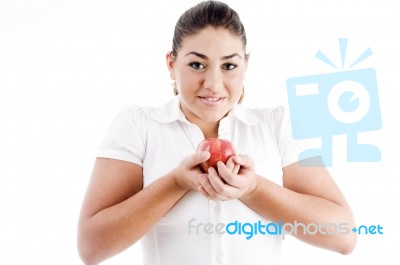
{"x":345,"y":102}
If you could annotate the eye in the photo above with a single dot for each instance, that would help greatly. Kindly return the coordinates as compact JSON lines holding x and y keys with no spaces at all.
{"x":228,"y":66}
{"x":197,"y":65}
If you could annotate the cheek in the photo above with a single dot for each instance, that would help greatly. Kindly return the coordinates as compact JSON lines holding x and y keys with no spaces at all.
{"x":235,"y":83}
{"x":187,"y":86}
{"x":187,"y":80}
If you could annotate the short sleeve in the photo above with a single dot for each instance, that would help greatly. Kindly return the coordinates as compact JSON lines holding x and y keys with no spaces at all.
{"x":289,"y":148}
{"x":126,"y":136}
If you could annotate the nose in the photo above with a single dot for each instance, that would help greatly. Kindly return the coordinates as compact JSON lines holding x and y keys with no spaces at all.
{"x":213,"y":80}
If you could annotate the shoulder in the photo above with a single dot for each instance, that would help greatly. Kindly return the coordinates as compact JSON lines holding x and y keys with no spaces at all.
{"x":144,"y":116}
{"x":133,"y":114}
{"x":135,"y":111}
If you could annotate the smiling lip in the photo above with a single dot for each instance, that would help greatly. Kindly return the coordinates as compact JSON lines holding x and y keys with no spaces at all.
{"x":211,"y":100}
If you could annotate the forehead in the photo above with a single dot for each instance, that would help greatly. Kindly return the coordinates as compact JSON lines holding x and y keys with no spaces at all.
{"x":211,"y":40}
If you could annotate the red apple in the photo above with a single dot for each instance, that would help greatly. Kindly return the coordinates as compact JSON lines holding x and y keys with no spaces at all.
{"x":220,"y":150}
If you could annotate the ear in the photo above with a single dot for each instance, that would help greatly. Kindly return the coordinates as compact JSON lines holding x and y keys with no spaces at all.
{"x":246,"y":63}
{"x":170,"y":64}
{"x":246,"y":58}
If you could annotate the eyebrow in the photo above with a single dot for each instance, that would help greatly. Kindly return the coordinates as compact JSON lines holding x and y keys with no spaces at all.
{"x":202,"y":56}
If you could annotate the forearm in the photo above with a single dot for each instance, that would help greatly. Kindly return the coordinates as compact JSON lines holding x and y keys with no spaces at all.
{"x":277,"y":203}
{"x":115,"y":228}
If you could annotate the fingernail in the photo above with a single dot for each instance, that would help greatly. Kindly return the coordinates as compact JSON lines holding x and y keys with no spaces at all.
{"x":204,"y":154}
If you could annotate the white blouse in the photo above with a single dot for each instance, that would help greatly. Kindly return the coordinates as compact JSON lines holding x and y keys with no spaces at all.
{"x":195,"y":230}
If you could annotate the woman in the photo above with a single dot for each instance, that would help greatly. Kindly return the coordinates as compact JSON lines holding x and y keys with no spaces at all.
{"x":146,"y":182}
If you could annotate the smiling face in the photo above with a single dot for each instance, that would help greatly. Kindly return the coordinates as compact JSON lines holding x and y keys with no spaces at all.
{"x":209,"y":71}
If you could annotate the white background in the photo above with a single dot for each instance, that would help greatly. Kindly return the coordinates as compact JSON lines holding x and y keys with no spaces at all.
{"x":68,"y":67}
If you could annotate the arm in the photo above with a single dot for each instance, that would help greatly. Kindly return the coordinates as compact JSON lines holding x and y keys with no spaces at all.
{"x":117,"y":212}
{"x":308,"y":195}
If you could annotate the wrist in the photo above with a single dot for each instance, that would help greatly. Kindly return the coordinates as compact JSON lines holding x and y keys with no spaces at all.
{"x":253,"y":188}
{"x":178,"y":181}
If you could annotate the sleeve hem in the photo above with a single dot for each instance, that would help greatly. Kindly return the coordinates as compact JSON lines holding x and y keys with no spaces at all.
{"x":113,"y":154}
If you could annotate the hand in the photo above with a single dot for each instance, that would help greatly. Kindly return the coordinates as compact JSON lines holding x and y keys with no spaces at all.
{"x":185,"y":175}
{"x":232,"y":181}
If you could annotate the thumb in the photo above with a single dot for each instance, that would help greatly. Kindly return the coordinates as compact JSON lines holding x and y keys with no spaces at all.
{"x":243,"y":160}
{"x":198,"y":157}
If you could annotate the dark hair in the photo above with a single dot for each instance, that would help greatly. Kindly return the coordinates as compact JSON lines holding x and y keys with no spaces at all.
{"x":207,"y":13}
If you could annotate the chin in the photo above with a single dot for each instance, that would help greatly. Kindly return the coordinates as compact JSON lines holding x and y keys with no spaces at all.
{"x":212,"y":118}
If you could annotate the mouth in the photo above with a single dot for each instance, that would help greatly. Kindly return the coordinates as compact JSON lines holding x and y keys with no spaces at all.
{"x":211,"y":101}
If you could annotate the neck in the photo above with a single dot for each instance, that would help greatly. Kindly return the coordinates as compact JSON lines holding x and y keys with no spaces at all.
{"x":209,"y":129}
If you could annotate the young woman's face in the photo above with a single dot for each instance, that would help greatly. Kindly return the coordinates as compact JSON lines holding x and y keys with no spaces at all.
{"x":209,"y":72}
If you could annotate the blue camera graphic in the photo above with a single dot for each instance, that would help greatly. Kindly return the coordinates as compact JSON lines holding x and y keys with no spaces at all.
{"x":325,"y":105}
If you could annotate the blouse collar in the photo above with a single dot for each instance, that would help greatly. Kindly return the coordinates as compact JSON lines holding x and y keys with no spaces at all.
{"x":171,"y":111}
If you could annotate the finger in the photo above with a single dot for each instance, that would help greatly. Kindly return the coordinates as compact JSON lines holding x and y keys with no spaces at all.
{"x":208,"y":196}
{"x":243,"y":160}
{"x":206,"y":185}
{"x":209,"y":189}
{"x":217,"y":197}
{"x":218,"y":184}
{"x":225,"y":173}
{"x":204,"y":192}
{"x":214,"y":177}
{"x":236,"y":169}
{"x":230,"y":164}
{"x":197,"y":158}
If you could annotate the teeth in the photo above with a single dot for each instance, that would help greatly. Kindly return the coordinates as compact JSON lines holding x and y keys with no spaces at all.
{"x":212,"y":99}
